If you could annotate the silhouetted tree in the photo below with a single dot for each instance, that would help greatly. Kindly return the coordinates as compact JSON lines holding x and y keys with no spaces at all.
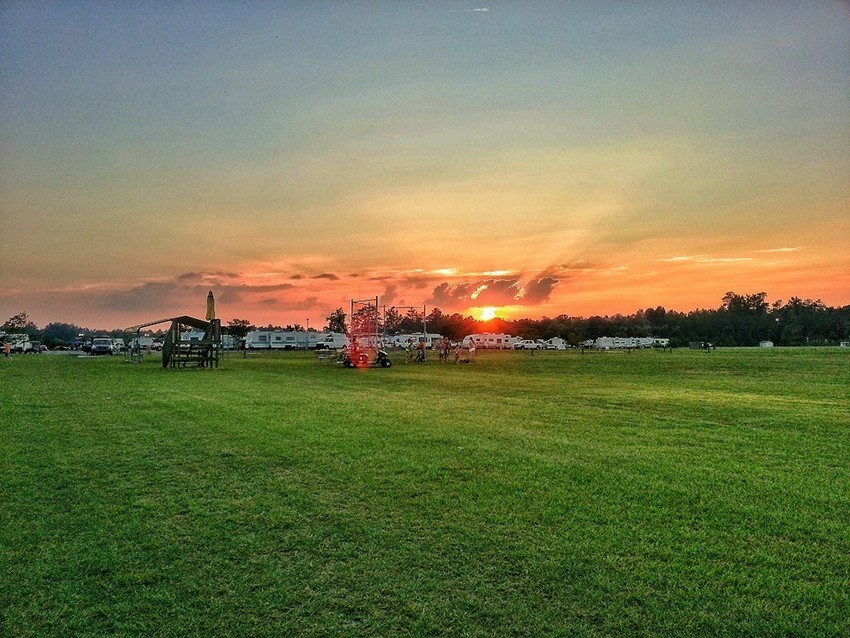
{"x":239,"y":328}
{"x":336,"y":321}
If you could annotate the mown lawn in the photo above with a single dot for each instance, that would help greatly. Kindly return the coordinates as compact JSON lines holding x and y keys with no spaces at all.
{"x":651,"y":494}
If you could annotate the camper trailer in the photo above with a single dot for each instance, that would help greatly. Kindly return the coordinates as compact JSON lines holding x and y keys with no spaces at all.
{"x":623,"y":343}
{"x":400,"y":341}
{"x":492,"y":340}
{"x":282,"y":340}
{"x":555,"y":343}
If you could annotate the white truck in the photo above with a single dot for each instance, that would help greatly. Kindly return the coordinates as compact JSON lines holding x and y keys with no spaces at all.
{"x":529,"y":344}
{"x":331,"y":341}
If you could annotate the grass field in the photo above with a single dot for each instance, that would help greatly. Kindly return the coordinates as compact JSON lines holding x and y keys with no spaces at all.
{"x":651,"y":494}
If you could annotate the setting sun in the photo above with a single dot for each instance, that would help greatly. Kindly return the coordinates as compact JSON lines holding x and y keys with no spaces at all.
{"x":488,"y":313}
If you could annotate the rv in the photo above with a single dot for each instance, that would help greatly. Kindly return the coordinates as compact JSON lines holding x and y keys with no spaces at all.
{"x":555,"y":343}
{"x":281,"y":340}
{"x":623,"y":343}
{"x":400,"y":341}
{"x":489,"y":340}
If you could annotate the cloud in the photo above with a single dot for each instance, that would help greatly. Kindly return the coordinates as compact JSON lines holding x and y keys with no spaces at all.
{"x":308,"y":303}
{"x":703,"y":259}
{"x":390,"y":294}
{"x":781,"y":250}
{"x":494,"y":292}
{"x":327,"y":275}
{"x":206,"y":276}
{"x":538,"y":291}
{"x":178,"y":294}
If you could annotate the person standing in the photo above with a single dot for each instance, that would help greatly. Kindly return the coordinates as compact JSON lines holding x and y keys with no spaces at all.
{"x":471,"y":350}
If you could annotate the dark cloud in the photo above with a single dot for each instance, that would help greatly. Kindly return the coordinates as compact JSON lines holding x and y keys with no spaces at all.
{"x":297,"y":277}
{"x":326,"y":275}
{"x":309,"y":303}
{"x":193,"y":276}
{"x":179,"y":295}
{"x":154,"y":297}
{"x":390,"y":294}
{"x":497,"y":292}
{"x":260,"y":289}
{"x":537,"y":291}
{"x":494,"y":292}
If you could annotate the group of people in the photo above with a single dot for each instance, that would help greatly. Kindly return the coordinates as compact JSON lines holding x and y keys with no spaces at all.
{"x":416,"y":351}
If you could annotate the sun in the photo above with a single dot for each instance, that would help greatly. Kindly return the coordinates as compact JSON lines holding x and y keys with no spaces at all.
{"x":488,"y":313}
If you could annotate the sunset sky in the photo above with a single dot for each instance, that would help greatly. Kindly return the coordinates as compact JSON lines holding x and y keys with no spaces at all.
{"x":540,"y":158}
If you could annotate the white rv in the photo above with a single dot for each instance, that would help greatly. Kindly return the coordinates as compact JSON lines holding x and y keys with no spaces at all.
{"x":623,"y":343}
{"x":555,"y":343}
{"x":281,"y":340}
{"x":498,"y":341}
{"x":431,"y":339}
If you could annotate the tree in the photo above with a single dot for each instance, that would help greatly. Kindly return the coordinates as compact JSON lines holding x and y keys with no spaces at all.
{"x":20,"y":323}
{"x":336,"y":321}
{"x":747,"y":318}
{"x":17,"y":323}
{"x":392,"y":321}
{"x":56,"y":334}
{"x":412,"y":321}
{"x":365,"y":321}
{"x":239,"y":328}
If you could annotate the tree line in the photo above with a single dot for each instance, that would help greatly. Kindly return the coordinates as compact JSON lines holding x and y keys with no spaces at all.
{"x":740,"y":320}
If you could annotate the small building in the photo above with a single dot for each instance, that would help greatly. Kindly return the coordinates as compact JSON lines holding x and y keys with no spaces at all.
{"x":765,"y":344}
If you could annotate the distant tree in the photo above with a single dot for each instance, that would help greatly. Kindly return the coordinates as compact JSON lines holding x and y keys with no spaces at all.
{"x":56,"y":334}
{"x":392,"y":321}
{"x":364,"y":321}
{"x":17,"y":323}
{"x":21,"y":323}
{"x":747,"y":321}
{"x":294,"y":327}
{"x":239,"y":328}
{"x":412,"y":321}
{"x":336,"y":321}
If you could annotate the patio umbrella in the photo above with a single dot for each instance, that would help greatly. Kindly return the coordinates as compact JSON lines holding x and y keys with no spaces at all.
{"x":210,"y":307}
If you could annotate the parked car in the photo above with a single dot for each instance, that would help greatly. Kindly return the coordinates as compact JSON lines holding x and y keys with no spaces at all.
{"x":102,"y":345}
{"x":528,"y":344}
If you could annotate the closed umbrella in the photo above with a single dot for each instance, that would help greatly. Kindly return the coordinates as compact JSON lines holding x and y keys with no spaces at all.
{"x":210,"y":307}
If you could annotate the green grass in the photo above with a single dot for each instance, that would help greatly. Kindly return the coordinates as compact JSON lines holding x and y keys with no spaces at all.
{"x":651,"y":494}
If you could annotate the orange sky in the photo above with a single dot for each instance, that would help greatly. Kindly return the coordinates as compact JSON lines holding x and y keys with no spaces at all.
{"x":543,"y":160}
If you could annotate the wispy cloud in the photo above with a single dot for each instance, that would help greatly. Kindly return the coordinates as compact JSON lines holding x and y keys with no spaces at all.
{"x":704,"y":259}
{"x":781,"y":250}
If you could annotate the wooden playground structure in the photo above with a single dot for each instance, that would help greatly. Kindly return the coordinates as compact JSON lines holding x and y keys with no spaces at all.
{"x":178,"y":352}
